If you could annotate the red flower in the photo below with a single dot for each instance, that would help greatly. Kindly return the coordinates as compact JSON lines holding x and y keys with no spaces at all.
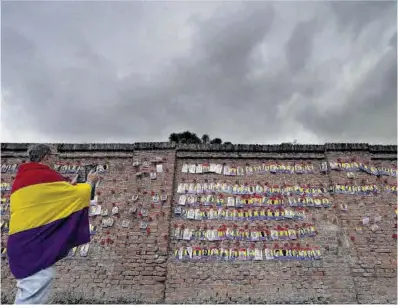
{"x":352,"y":238}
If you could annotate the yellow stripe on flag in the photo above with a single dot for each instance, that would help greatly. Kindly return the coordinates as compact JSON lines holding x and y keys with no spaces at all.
{"x":37,"y":205}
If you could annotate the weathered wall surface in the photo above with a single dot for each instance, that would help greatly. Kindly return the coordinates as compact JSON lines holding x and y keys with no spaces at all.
{"x":135,"y":262}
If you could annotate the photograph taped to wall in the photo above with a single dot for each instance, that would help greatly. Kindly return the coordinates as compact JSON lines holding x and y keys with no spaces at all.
{"x":192,"y":168}
{"x":9,"y":168}
{"x":125,"y":223}
{"x":5,"y":186}
{"x":159,"y":168}
{"x":84,"y":250}
{"x":199,"y":169}
{"x":143,"y":225}
{"x":95,"y":210}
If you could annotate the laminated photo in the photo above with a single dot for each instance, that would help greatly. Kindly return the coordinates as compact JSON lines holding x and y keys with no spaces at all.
{"x":199,"y":169}
{"x":159,"y":168}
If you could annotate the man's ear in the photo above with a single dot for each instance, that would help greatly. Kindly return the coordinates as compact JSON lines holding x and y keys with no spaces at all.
{"x":46,"y":160}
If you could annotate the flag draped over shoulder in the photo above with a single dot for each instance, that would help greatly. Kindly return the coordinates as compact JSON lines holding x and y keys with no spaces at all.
{"x":49,"y":217}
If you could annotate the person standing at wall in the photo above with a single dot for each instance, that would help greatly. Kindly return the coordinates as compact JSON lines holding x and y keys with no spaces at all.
{"x":49,"y":217}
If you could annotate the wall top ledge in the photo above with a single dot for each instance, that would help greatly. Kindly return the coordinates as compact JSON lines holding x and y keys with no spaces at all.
{"x":265,"y":148}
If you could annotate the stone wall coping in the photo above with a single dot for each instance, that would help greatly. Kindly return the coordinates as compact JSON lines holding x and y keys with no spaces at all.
{"x":265,"y":148}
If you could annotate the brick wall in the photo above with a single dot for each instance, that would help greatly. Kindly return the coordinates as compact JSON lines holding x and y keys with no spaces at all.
{"x":136,"y":262}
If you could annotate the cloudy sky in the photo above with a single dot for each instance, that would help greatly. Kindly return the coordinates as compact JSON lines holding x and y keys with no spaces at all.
{"x":247,"y":72}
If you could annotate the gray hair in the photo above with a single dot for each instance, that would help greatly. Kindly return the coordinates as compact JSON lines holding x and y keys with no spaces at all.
{"x":37,"y":152}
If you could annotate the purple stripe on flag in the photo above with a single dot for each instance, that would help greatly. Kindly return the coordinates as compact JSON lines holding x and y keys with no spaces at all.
{"x":35,"y":249}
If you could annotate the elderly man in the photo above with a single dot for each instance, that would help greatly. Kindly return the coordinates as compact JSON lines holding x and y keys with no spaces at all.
{"x":49,"y":217}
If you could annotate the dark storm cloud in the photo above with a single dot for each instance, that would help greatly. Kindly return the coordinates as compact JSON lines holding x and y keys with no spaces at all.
{"x":299,"y":47}
{"x":370,"y":110}
{"x":246,"y":72}
{"x":353,"y":17}
{"x":393,"y":40}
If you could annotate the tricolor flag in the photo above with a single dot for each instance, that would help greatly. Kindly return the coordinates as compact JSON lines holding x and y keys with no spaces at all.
{"x":49,"y":217}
